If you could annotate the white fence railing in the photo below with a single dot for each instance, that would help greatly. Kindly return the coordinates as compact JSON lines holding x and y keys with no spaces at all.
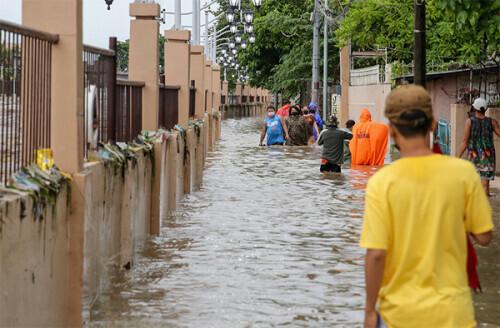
{"x":370,"y":75}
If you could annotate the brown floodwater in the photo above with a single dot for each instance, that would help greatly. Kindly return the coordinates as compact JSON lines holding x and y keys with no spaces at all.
{"x":267,"y":242}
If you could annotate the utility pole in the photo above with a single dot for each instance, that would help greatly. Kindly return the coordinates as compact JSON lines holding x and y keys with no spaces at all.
{"x":178,"y":13}
{"x":325,"y":63}
{"x":196,"y":22}
{"x":315,"y":57}
{"x":419,"y":50}
{"x":207,"y":42}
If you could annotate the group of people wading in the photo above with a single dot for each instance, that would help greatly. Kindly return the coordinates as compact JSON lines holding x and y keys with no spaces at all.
{"x":363,"y":143}
{"x":421,"y":212}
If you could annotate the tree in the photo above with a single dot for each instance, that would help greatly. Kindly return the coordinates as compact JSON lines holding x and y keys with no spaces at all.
{"x":464,"y":31}
{"x":123,"y":50}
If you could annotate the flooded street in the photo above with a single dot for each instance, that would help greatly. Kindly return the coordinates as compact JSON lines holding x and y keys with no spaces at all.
{"x":267,"y":242}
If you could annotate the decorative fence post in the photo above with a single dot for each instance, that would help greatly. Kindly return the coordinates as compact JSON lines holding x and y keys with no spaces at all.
{"x":144,"y":33}
{"x":64,"y":17}
{"x":177,"y":66}
{"x":197,"y":73}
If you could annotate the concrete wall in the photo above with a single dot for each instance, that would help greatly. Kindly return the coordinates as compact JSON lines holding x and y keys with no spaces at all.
{"x":368,"y":96}
{"x":34,"y":256}
{"x":117,"y":219}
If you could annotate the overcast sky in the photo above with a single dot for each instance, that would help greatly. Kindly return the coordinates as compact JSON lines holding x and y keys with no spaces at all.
{"x":99,"y":23}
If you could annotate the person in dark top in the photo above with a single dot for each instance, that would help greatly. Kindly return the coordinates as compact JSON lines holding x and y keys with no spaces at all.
{"x":298,"y":131}
{"x":332,"y":140}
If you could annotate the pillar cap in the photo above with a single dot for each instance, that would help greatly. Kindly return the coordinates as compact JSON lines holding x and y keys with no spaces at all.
{"x":197,"y":50}
{"x":178,"y":35}
{"x":151,"y":10}
{"x":216,"y":67}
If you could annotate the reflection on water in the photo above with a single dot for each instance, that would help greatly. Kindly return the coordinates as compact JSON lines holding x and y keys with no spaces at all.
{"x":268,"y":242}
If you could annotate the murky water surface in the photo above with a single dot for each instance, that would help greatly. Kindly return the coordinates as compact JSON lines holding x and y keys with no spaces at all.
{"x":268,"y":242}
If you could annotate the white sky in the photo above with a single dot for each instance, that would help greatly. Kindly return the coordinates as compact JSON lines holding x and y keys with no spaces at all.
{"x":99,"y":23}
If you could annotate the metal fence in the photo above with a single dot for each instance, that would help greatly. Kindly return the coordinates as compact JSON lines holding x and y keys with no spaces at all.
{"x":25,"y":93}
{"x":223,"y":99}
{"x":252,"y":99}
{"x":128,"y":123}
{"x":192,"y":99}
{"x":169,"y":106}
{"x":99,"y":83}
{"x":244,"y":99}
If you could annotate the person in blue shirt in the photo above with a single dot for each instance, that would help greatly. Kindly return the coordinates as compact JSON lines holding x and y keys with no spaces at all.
{"x":275,"y":129}
{"x":313,"y":106}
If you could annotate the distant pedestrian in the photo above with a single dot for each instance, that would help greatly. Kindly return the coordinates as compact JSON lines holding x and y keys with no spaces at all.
{"x":418,"y":212}
{"x":274,"y":128}
{"x":332,"y":141}
{"x":369,"y":143}
{"x":298,"y":131}
{"x":311,"y":123}
{"x":347,"y":152}
{"x":479,"y":143}
{"x":314,"y":109}
{"x":284,"y":111}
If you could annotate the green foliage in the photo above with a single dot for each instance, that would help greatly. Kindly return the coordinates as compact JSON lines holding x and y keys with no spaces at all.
{"x":466,"y":31}
{"x":281,"y":58}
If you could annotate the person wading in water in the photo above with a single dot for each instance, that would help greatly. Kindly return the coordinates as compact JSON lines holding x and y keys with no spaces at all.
{"x":332,"y":141}
{"x":479,"y":143}
{"x":418,"y":212}
{"x":297,"y":128}
{"x":274,"y":128}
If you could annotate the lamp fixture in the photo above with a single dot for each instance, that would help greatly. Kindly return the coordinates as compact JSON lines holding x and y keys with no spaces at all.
{"x":248,"y":15}
{"x":232,"y":45}
{"x":109,"y":3}
{"x":237,"y":38}
{"x":243,"y":44}
{"x":248,"y":28}
{"x":257,"y":3}
{"x":234,"y":3}
{"x":251,"y":38}
{"x":234,"y":51}
{"x":233,"y":28}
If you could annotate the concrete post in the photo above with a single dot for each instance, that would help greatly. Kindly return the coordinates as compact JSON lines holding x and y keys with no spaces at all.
{"x":216,"y":87}
{"x":208,"y":86}
{"x":345,"y":74}
{"x":144,"y":31}
{"x":225,"y":91}
{"x":177,"y":68}
{"x":238,"y":92}
{"x":64,"y":17}
{"x":458,"y":113}
{"x":197,"y":73}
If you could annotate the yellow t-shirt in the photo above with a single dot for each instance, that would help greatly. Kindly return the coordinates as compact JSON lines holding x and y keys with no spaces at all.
{"x":419,"y":209}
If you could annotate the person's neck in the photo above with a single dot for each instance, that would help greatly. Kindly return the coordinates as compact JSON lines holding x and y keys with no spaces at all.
{"x":414,"y":147}
{"x":480,"y":115}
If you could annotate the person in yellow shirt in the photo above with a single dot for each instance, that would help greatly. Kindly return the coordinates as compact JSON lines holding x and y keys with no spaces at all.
{"x":418,"y":212}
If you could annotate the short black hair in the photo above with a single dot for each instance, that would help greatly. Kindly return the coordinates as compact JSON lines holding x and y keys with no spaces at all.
{"x":413,"y":123}
{"x":349,"y":124}
{"x":271,"y":107}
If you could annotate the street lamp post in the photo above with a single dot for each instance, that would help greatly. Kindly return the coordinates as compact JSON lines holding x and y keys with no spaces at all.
{"x":315,"y":56}
{"x":325,"y":64}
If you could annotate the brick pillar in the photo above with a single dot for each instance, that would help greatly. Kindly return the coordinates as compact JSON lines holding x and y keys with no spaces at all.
{"x":197,"y":73}
{"x":64,"y":17}
{"x":144,"y":32}
{"x":225,"y":91}
{"x":177,"y":68}
{"x":345,"y":74}
{"x":238,"y":92}
{"x":216,"y":87}
{"x":458,"y":113}
{"x":208,"y":86}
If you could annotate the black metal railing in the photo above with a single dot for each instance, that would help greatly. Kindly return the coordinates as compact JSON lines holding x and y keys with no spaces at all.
{"x":99,"y":96}
{"x":243,"y":99}
{"x":128,"y":115}
{"x":168,"y":115}
{"x":223,"y":99}
{"x":252,"y":99}
{"x":192,"y":99}
{"x":25,"y":95}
